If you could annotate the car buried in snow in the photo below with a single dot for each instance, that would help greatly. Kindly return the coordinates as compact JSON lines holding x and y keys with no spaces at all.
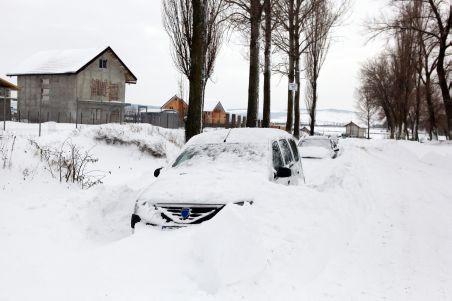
{"x":214,"y":169}
{"x":318,"y":147}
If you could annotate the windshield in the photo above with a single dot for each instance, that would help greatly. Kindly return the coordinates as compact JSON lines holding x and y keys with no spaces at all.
{"x":224,"y":152}
{"x":325,"y":143}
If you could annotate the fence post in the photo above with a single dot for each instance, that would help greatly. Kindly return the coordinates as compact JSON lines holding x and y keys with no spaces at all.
{"x":28,"y":116}
{"x":244,"y":122}
{"x":48,"y":116}
{"x":18,"y":113}
{"x":239,"y":121}
{"x":39,"y":118}
{"x":93,"y":116}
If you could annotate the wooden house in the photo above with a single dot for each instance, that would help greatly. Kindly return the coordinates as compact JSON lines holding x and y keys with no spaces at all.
{"x":353,"y":130}
{"x":215,"y":115}
{"x":79,"y":85}
{"x":5,"y":98}
{"x":179,"y":105}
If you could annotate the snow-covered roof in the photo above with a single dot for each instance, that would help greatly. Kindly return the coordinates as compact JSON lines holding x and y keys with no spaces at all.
{"x":63,"y":62}
{"x":239,"y":135}
{"x":358,"y":123}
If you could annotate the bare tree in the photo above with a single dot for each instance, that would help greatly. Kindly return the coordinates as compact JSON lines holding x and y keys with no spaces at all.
{"x":318,"y":35}
{"x":366,"y":107}
{"x":291,"y":18}
{"x":195,"y":29}
{"x":434,"y":23}
{"x":246,"y":15}
{"x":269,"y":25}
{"x":376,"y":78}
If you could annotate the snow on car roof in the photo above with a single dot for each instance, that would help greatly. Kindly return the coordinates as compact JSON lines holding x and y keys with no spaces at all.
{"x":316,"y":138}
{"x":239,"y":135}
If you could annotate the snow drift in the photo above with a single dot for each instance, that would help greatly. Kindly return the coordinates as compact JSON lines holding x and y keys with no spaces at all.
{"x":373,"y":224}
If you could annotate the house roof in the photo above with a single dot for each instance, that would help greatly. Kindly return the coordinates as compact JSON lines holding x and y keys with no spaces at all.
{"x":173,"y":98}
{"x":6,"y":84}
{"x":65,"y":62}
{"x":358,"y":124}
{"x":213,"y":106}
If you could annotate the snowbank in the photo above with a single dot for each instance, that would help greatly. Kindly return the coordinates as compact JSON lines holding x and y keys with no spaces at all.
{"x":372,"y":224}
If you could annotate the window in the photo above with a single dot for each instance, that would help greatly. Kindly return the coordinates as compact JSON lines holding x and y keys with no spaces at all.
{"x":45,"y":81}
{"x":285,"y":149}
{"x":113,"y":90}
{"x":98,"y":88}
{"x":103,"y":63}
{"x":294,"y":148}
{"x":277,"y":158}
{"x":45,"y":91}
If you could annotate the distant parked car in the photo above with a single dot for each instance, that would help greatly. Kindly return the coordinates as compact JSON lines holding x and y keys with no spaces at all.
{"x":214,"y":169}
{"x":318,"y":147}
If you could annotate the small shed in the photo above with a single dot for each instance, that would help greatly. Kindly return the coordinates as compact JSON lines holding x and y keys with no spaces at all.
{"x":5,"y":98}
{"x":353,"y":130}
{"x":177,"y":104}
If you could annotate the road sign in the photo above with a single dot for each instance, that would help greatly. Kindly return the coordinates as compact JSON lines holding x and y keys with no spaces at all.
{"x":293,"y":87}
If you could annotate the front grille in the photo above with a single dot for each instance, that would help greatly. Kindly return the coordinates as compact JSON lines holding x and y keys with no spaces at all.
{"x":198,"y":212}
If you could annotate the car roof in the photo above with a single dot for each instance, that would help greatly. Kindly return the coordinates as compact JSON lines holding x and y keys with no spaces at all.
{"x":317,"y":138}
{"x":239,"y":135}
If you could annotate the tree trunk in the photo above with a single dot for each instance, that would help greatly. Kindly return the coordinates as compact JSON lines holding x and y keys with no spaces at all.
{"x":444,"y":86}
{"x":267,"y":65}
{"x":296,"y":128}
{"x":291,"y":75}
{"x":313,"y":108}
{"x":253,"y":83}
{"x":193,"y":125}
{"x":433,"y":133}
{"x":417,"y":110}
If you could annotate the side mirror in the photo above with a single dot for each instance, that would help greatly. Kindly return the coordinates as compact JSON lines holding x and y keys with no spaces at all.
{"x":157,"y":172}
{"x":283,"y":172}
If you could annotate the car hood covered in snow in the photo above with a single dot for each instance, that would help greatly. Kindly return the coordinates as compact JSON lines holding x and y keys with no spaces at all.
{"x":204,"y":186}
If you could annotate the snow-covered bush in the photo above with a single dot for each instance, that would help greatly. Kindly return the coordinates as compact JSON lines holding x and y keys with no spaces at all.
{"x":70,"y":163}
{"x":149,"y":139}
{"x":6,"y":149}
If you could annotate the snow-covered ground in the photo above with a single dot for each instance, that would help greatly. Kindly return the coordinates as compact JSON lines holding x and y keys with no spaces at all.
{"x":373,"y":224}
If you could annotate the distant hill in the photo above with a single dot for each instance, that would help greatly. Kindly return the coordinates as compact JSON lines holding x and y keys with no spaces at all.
{"x":323,"y":116}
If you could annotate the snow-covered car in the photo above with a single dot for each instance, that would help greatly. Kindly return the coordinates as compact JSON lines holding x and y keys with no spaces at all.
{"x":214,"y":169}
{"x":318,"y":147}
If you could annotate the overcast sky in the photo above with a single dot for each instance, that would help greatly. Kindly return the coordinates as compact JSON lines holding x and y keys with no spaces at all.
{"x":134,"y":30}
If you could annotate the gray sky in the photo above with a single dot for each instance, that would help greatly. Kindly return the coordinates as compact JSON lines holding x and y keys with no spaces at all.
{"x":134,"y":30}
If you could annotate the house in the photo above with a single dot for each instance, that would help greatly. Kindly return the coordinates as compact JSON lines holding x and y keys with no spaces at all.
{"x":214,"y":115}
{"x":179,"y":105}
{"x":5,"y":98}
{"x":353,"y":130}
{"x":85,"y":86}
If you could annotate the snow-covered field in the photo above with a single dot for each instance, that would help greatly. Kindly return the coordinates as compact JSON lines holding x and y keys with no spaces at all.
{"x":373,"y":224}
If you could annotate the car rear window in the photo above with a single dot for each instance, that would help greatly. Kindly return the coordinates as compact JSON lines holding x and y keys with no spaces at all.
{"x":294,"y":147}
{"x":285,"y":149}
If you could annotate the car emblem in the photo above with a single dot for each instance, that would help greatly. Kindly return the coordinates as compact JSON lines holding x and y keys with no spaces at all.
{"x":185,"y":213}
